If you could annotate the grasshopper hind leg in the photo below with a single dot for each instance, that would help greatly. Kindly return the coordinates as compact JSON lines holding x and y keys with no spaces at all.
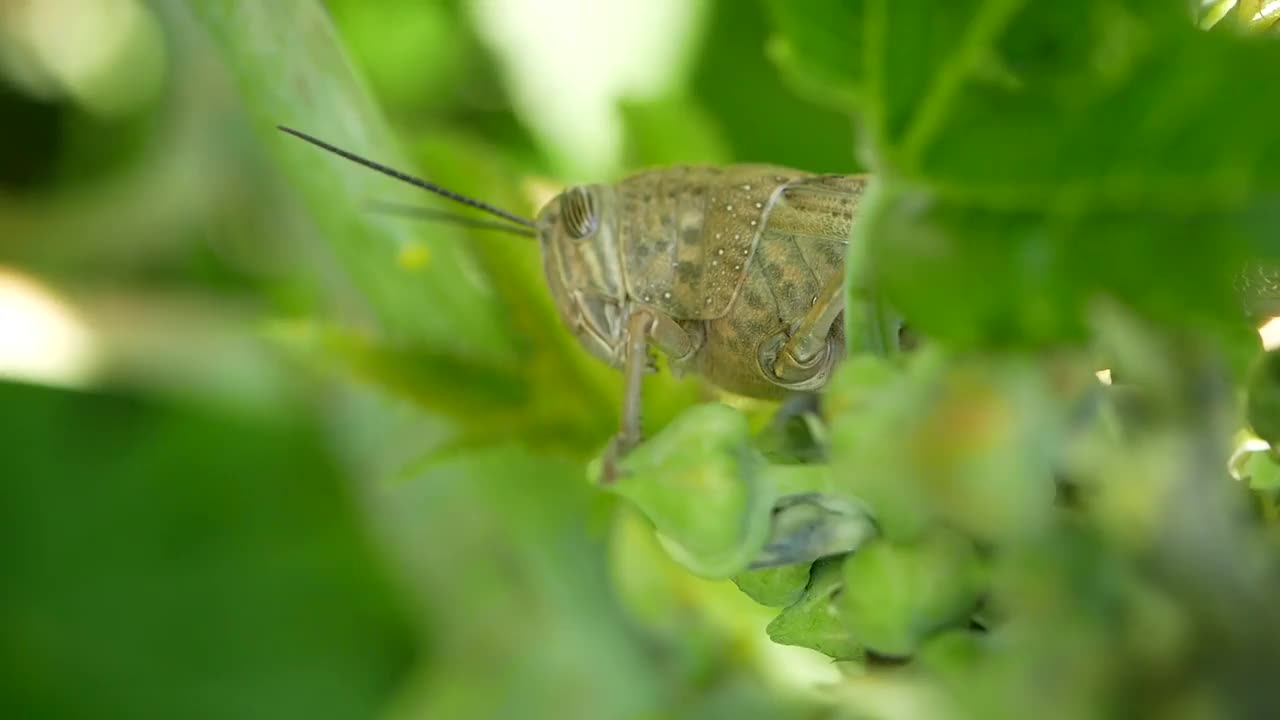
{"x":803,"y":361}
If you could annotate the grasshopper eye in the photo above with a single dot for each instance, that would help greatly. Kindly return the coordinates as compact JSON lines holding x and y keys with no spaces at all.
{"x":578,"y":212}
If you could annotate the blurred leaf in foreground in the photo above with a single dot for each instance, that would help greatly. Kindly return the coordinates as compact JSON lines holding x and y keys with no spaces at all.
{"x":1037,"y":156}
{"x":178,"y":563}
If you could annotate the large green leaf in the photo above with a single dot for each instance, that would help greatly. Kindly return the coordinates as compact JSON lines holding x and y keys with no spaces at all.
{"x":759,"y":114}
{"x":1035,"y":157}
{"x":819,"y":44}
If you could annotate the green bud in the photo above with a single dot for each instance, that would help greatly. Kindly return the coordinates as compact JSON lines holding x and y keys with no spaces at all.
{"x":897,"y":595}
{"x":704,"y":488}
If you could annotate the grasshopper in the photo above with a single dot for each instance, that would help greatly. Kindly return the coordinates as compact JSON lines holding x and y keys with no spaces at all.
{"x":734,"y":273}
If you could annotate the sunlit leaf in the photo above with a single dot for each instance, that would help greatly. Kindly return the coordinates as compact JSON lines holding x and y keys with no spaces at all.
{"x":291,"y":70}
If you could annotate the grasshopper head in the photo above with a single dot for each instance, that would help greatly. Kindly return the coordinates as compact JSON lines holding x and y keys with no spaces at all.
{"x":578,"y":234}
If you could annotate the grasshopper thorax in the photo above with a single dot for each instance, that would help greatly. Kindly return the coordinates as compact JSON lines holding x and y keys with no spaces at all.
{"x":578,"y":233}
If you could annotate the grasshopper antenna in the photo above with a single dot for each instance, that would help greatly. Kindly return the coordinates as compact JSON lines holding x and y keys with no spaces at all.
{"x":416,"y":182}
{"x":422,"y":213}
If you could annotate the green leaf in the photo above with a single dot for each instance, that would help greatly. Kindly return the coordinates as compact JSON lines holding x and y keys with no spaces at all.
{"x":1061,"y":114}
{"x":952,"y":653}
{"x":812,"y":622}
{"x":703,"y":487}
{"x":166,"y":561}
{"x":774,"y":586}
{"x":1036,"y":157}
{"x":917,"y":55}
{"x":290,"y":69}
{"x":897,"y":595}
{"x":670,"y":131}
{"x":760,"y":115}
{"x":821,"y":47}
{"x":971,"y":441}
{"x":1033,"y":276}
{"x":873,"y":408}
{"x":989,"y":442}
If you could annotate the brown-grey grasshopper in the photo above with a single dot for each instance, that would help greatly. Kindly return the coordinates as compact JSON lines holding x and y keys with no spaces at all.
{"x":735,"y":273}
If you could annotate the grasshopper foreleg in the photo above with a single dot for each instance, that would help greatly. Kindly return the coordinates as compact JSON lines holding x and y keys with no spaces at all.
{"x":643,"y":327}
{"x":639,"y":327}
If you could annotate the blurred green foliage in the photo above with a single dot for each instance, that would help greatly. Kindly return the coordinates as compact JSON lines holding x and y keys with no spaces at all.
{"x":321,"y":462}
{"x":165,"y":560}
